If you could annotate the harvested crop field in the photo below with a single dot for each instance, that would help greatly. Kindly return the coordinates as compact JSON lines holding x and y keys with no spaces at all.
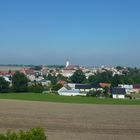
{"x":64,"y":121}
{"x":12,"y":68}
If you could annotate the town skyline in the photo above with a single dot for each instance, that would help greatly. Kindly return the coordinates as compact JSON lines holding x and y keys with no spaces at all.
{"x":89,"y":33}
{"x":65,"y":63}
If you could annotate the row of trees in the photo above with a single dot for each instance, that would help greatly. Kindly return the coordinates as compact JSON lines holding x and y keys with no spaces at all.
{"x":132,"y":76}
{"x":19,"y":84}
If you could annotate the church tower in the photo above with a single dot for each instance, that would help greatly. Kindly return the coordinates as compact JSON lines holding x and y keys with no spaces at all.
{"x":67,"y":63}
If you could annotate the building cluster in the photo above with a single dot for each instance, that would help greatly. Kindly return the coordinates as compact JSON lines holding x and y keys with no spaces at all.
{"x":72,"y":89}
{"x":67,"y":71}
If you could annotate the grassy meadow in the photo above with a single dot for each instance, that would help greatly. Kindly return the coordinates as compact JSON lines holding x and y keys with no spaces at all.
{"x":66,"y":99}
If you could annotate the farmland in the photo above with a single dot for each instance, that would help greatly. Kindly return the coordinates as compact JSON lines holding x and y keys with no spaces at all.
{"x":12,"y":68}
{"x":70,"y":121}
{"x":65,"y":99}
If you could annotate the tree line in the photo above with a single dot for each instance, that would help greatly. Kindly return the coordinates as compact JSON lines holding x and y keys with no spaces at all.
{"x":19,"y":84}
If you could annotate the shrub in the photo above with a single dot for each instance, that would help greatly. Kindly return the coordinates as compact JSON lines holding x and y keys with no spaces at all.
{"x":32,"y":134}
{"x":57,"y":87}
{"x":92,"y":93}
{"x":36,"y":88}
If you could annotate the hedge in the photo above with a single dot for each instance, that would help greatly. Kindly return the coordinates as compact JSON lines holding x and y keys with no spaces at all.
{"x":31,"y":134}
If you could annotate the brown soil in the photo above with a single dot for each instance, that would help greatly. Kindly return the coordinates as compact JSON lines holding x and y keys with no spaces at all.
{"x":12,"y":68}
{"x":72,"y":121}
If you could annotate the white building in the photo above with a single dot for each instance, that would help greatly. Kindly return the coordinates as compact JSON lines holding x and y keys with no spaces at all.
{"x":118,"y":96}
{"x":69,"y":90}
{"x":67,"y":73}
{"x":128,"y":88}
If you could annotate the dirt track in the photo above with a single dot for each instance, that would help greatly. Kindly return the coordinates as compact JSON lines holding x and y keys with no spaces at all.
{"x":73,"y":121}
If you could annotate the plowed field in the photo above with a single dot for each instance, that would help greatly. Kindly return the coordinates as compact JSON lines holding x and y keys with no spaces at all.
{"x":64,"y":121}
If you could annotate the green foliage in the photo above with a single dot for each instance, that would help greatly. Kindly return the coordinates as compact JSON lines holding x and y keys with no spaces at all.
{"x":78,"y":77}
{"x":131,"y":76}
{"x":101,"y":77}
{"x":36,"y":88}
{"x":66,"y":99}
{"x":117,"y":79}
{"x":61,"y":77}
{"x":56,"y":66}
{"x":37,"y":68}
{"x":57,"y":87}
{"x":19,"y":82}
{"x":92,"y":93}
{"x":32,"y":134}
{"x":119,"y":68}
{"x":52,"y":78}
{"x":4,"y":85}
{"x":98,"y":93}
{"x":106,"y":91}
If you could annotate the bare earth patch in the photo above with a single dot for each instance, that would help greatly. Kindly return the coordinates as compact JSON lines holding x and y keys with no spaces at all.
{"x":64,"y":121}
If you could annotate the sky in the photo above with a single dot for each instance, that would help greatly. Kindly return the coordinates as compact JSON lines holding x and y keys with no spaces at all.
{"x":87,"y":32}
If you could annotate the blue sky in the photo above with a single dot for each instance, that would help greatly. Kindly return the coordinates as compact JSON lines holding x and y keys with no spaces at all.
{"x":88,"y":32}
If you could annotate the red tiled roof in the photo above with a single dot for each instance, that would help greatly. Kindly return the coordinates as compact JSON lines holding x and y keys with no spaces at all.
{"x":103,"y":85}
{"x":28,"y":71}
{"x":136,"y":86}
{"x":62,"y":82}
{"x":71,"y":67}
{"x":7,"y":73}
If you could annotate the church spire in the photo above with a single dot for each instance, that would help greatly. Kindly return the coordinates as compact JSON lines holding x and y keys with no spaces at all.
{"x":67,"y":63}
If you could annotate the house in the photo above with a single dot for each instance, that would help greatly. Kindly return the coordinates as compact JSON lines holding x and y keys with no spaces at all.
{"x":105,"y":85}
{"x":87,"y":87}
{"x":69,"y":90}
{"x":5,"y":73}
{"x":128,"y":88}
{"x":7,"y":79}
{"x":118,"y":93}
{"x":62,"y":82}
{"x":136,"y":88}
{"x":67,"y":73}
{"x":77,"y":89}
{"x":44,"y":82}
{"x":28,"y":71}
{"x":44,"y":70}
{"x":31,"y":77}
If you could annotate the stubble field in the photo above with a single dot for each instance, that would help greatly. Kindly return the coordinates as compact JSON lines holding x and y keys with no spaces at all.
{"x":67,"y":121}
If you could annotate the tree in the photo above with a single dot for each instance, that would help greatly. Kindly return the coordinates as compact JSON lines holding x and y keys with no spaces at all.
{"x":106,"y":91}
{"x":37,"y":68}
{"x":78,"y":77}
{"x":119,"y":68}
{"x":117,"y":79}
{"x":57,"y":87}
{"x":101,"y":77}
{"x":52,"y":78}
{"x":19,"y":82}
{"x":92,"y":79}
{"x":4,"y":85}
{"x":61,"y":77}
{"x":92,"y":93}
{"x":36,"y":88}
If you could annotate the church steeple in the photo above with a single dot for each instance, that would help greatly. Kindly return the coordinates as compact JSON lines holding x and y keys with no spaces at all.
{"x":67,"y":63}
